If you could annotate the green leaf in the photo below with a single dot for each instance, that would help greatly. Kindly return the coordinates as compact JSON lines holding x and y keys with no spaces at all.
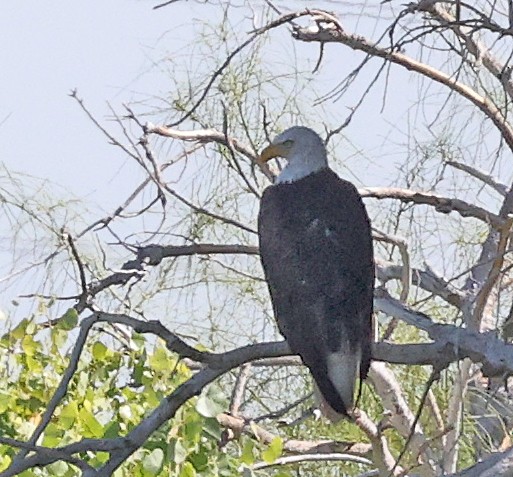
{"x":247,"y":456}
{"x":273,"y":451}
{"x":34,"y":365}
{"x":210,"y":403}
{"x":20,"y":331}
{"x":53,"y":435}
{"x":138,"y":341}
{"x":200,"y":459}
{"x":193,"y":429}
{"x":90,"y":424}
{"x":112,"y":430}
{"x":151,"y":397}
{"x":59,"y":338}
{"x":99,"y":351}
{"x":161,"y":360}
{"x":68,"y":415}
{"x":152,"y":463}
{"x":101,"y":458}
{"x":69,"y":320}
{"x":212,"y":428}
{"x":139,"y":368}
{"x":5,"y":460}
{"x":5,"y":402}
{"x":29,"y":345}
{"x":188,"y":470}
{"x":178,"y":451}
{"x":58,"y":468}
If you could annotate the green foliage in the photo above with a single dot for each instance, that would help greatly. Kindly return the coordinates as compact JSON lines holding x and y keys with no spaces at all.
{"x":273,"y":451}
{"x":111,"y":392}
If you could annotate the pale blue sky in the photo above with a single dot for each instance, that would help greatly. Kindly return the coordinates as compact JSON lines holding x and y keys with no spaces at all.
{"x":105,"y":49}
{"x":109,"y":51}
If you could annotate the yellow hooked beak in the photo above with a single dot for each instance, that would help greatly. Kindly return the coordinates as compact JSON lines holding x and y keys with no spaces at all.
{"x":274,"y":150}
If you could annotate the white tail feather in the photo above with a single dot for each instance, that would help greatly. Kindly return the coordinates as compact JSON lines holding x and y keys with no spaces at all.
{"x":343,"y":371}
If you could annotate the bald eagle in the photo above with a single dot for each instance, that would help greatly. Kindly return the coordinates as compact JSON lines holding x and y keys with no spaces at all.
{"x":316,"y":251}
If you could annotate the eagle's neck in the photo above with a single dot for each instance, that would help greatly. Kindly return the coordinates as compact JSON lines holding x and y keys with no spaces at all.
{"x":302,"y":164}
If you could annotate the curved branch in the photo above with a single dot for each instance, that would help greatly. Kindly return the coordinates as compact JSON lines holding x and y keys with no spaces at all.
{"x":322,"y":446}
{"x":425,"y":279}
{"x":497,"y":465}
{"x":444,"y":205}
{"x":202,"y":136}
{"x":153,"y":254}
{"x":333,"y":33}
{"x":466,"y":33}
{"x":487,"y":179}
{"x":294,"y":459}
{"x":495,"y":355}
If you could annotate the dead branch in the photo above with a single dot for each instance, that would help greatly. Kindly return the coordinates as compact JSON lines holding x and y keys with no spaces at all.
{"x":382,"y":457}
{"x":495,"y":356}
{"x":425,"y":279}
{"x":496,"y":465}
{"x":487,"y":179}
{"x":240,"y":425}
{"x":333,"y":33}
{"x":401,"y":416}
{"x":402,"y":245}
{"x":467,"y":33}
{"x":495,"y":271}
{"x":204,"y":136}
{"x":239,"y":389}
{"x":444,"y":205}
{"x":294,"y":459}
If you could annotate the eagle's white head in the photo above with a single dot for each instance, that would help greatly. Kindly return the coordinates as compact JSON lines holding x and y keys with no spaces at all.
{"x":303,"y":149}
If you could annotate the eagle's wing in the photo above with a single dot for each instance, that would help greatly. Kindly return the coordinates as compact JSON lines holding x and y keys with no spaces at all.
{"x":316,"y":249}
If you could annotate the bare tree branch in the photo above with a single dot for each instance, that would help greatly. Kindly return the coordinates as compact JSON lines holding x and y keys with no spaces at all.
{"x":502,"y":189}
{"x":485,"y":348}
{"x":204,"y":136}
{"x":322,"y":446}
{"x":468,"y":35}
{"x":441,"y":204}
{"x":401,"y":417}
{"x":293,"y":459}
{"x":484,"y":293}
{"x":335,"y":34}
{"x":383,"y":458}
{"x":425,"y":279}
{"x":497,"y":465}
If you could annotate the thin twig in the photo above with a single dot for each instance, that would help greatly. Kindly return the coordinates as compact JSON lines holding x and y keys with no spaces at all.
{"x":294,"y":459}
{"x":83,"y":281}
{"x":489,"y":180}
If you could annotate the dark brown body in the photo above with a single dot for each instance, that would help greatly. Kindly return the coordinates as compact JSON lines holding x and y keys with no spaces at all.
{"x":316,"y":250}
